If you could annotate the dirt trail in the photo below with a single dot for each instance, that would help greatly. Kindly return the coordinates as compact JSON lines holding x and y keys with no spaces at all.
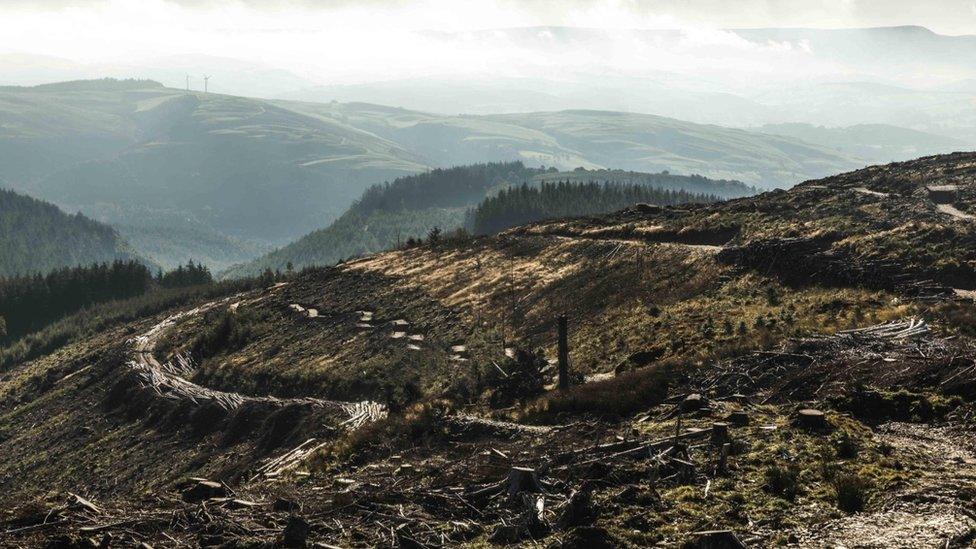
{"x":168,"y":379}
{"x":925,"y":513}
{"x":637,"y":240}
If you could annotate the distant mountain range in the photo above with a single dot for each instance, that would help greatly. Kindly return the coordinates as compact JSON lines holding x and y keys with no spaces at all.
{"x":877,"y":143}
{"x":37,"y":237}
{"x":904,"y":76}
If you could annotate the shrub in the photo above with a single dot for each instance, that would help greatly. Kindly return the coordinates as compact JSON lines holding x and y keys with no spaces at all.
{"x":783,"y":481}
{"x":851,"y":491}
{"x":846,"y":446}
{"x":624,"y":394}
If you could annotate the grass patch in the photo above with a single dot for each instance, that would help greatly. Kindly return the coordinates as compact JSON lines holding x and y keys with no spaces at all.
{"x":851,"y":491}
{"x":783,"y":481}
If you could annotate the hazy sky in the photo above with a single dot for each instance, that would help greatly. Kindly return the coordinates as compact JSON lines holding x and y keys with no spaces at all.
{"x":944,"y":16}
{"x":343,"y":40}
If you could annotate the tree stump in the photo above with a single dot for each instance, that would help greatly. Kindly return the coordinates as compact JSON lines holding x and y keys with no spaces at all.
{"x":691,"y":403}
{"x":295,"y":533}
{"x":723,"y":457}
{"x":740,"y":398}
{"x":739,"y":418}
{"x":811,"y":419}
{"x":720,"y":434}
{"x":202,"y":490}
{"x":522,"y":479}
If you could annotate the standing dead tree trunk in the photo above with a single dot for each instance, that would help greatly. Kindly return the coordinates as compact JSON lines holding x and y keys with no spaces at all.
{"x":563,"y":353}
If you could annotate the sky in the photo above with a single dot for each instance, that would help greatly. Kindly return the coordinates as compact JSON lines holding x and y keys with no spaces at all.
{"x":363,"y":40}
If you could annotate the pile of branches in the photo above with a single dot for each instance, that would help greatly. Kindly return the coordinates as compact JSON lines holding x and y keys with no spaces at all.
{"x":894,"y":354}
{"x":802,"y":260}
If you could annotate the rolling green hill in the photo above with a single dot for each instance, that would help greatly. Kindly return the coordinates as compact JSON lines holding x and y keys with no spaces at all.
{"x":596,"y":139}
{"x":242,"y":168}
{"x":37,"y":237}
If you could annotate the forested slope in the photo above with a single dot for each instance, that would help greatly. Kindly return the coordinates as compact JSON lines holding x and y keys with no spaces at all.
{"x":406,"y":208}
{"x":36,"y":236}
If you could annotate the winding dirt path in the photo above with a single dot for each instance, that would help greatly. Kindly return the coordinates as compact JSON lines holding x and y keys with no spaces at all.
{"x":169,"y":379}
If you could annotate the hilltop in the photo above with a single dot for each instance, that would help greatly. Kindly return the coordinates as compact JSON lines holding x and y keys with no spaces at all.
{"x":386,"y":400}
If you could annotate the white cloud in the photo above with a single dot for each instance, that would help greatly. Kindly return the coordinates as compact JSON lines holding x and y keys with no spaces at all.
{"x":345,"y":41}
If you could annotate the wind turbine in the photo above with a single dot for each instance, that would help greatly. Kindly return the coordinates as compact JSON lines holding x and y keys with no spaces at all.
{"x":206,"y":80}
{"x":188,"y":83}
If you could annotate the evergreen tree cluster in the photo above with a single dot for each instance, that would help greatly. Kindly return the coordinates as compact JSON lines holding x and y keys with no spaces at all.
{"x":29,"y":303}
{"x":193,"y":274}
{"x":524,"y":204}
{"x":37,"y":237}
{"x":441,"y":188}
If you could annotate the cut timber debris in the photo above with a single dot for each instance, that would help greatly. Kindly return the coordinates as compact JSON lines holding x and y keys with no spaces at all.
{"x":891,"y":330}
{"x":289,"y":460}
{"x":80,"y":502}
{"x":811,"y":419}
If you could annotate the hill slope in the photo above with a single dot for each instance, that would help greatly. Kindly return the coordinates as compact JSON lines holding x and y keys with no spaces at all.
{"x":37,"y":237}
{"x":145,"y":156}
{"x":388,"y":215}
{"x":836,"y":296}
